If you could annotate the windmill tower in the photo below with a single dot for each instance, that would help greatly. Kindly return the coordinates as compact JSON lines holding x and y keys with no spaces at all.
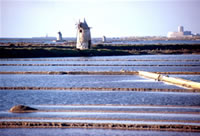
{"x":83,"y":36}
{"x":104,"y":39}
{"x":59,"y":38}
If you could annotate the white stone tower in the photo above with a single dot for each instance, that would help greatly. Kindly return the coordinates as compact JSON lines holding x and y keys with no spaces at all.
{"x":104,"y":39}
{"x":180,"y":29}
{"x":83,"y":36}
{"x":59,"y":38}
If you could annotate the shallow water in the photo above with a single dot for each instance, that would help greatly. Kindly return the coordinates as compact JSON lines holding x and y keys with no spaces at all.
{"x":143,"y":57}
{"x":106,"y":81}
{"x":88,"y":132}
{"x":40,"y":98}
{"x":35,"y":97}
{"x":105,"y":62}
{"x":122,"y":60}
{"x":102,"y":68}
{"x":108,"y":112}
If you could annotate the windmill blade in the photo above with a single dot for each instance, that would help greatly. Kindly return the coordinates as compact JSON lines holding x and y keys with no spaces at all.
{"x":77,"y":24}
{"x":76,"y":33}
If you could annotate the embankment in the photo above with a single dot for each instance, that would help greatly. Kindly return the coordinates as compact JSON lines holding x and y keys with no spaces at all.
{"x":101,"y":89}
{"x":158,"y":127}
{"x":14,"y":51}
{"x":105,"y":65}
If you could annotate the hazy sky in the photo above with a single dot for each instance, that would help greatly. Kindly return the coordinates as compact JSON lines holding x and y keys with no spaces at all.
{"x":112,"y":18}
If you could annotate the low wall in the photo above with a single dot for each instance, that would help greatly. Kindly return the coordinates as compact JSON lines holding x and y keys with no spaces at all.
{"x":158,"y":127}
{"x":173,"y":80}
{"x":101,"y":89}
{"x":104,"y":65}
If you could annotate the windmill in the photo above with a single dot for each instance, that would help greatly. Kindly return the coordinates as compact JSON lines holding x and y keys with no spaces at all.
{"x":83,"y":35}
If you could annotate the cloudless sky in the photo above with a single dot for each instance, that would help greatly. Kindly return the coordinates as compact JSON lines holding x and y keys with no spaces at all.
{"x":112,"y":18}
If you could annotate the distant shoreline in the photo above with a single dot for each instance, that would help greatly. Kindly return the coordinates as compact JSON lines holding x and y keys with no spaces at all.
{"x":35,"y":51}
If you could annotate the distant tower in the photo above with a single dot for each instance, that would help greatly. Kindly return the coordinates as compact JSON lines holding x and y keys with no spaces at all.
{"x":104,"y":39}
{"x":83,"y":36}
{"x":59,"y":38}
{"x":180,"y":29}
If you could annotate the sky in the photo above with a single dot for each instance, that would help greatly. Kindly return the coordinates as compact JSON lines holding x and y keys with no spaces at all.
{"x":112,"y":18}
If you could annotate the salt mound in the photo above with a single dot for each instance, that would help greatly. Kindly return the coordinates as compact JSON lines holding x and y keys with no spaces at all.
{"x":22,"y":108}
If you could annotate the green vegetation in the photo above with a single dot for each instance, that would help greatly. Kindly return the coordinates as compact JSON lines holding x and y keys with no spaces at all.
{"x":97,"y":50}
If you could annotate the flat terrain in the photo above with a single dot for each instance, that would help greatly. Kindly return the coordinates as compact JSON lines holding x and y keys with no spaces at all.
{"x":15,"y":51}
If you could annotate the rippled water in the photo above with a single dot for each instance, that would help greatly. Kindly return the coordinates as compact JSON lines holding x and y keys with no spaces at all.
{"x":34,"y":97}
{"x":109,"y":81}
{"x":106,"y":81}
{"x":171,"y":60}
{"x":39,"y":98}
{"x":102,"y":68}
{"x":137,"y":57}
{"x":111,"y":113}
{"x":90,"y":132}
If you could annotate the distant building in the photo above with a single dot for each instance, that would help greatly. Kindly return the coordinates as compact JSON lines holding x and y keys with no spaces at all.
{"x":197,"y":34}
{"x":59,"y":37}
{"x":83,"y":36}
{"x":180,"y":34}
{"x":187,"y":33}
{"x":103,"y":39}
{"x":180,"y":29}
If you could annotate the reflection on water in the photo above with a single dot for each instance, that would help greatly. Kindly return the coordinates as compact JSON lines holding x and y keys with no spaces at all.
{"x":140,"y":57}
{"x":88,"y":132}
{"x":138,"y":115}
{"x":9,"y":98}
{"x":122,"y":60}
{"x":106,"y":81}
{"x":34,"y":97}
{"x":102,"y":68}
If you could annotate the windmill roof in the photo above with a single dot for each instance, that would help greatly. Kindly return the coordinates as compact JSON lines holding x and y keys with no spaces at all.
{"x":83,"y":25}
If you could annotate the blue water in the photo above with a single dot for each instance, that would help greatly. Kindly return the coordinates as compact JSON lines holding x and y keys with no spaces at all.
{"x":137,"y":57}
{"x":89,"y":132}
{"x":9,"y":98}
{"x":105,"y":81}
{"x":157,"y":42}
{"x":108,"y":81}
{"x":102,"y":68}
{"x":111,"y":41}
{"x":122,"y":60}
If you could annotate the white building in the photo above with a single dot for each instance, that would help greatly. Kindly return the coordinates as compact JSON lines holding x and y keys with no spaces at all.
{"x":180,"y":34}
{"x":59,"y":37}
{"x":104,"y":39}
{"x":180,"y":29}
{"x":83,"y":36}
{"x":175,"y":34}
